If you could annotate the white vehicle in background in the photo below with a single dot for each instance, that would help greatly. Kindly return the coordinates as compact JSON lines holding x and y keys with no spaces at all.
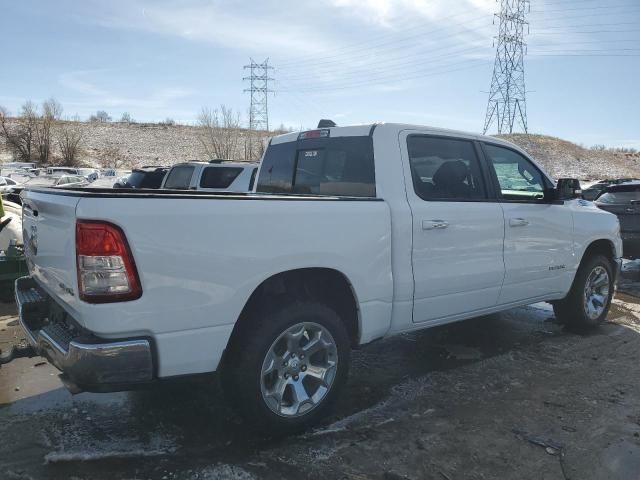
{"x":6,"y":183}
{"x":13,"y":193}
{"x":213,"y":176}
{"x":13,"y":230}
{"x":91,"y":174}
{"x":352,"y":234}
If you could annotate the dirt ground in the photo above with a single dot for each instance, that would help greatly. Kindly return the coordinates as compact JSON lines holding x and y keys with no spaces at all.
{"x":508,"y":396}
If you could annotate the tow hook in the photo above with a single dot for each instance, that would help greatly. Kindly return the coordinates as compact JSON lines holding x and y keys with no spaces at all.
{"x":17,"y":351}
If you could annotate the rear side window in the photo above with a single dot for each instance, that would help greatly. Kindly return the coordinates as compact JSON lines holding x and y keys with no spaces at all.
{"x":445,"y":169}
{"x":179,"y":177}
{"x":341,"y":166}
{"x":620,"y":197}
{"x":146,"y":179}
{"x":219,"y":177}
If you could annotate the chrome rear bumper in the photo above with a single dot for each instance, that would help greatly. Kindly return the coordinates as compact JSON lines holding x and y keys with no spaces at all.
{"x":87,"y":362}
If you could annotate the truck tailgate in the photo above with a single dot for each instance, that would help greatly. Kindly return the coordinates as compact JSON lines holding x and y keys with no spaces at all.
{"x":48,"y":222}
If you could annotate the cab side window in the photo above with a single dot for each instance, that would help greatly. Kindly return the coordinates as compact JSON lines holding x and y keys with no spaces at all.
{"x":179,"y":178}
{"x":445,"y":169}
{"x":518,"y":178}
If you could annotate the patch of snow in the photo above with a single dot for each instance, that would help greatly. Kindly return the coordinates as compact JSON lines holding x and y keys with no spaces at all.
{"x":224,"y":472}
{"x":116,"y":449}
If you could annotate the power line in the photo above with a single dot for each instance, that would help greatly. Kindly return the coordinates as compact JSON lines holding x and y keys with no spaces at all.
{"x":507,"y":98}
{"x":338,"y":67}
{"x":585,"y":32}
{"x":599,"y":7}
{"x":410,"y":60}
{"x":367,"y":45}
{"x":564,"y":27}
{"x":259,"y":90}
{"x":422,"y":73}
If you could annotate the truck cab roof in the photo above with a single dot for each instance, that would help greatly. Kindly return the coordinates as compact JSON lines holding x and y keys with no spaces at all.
{"x":370,"y":128}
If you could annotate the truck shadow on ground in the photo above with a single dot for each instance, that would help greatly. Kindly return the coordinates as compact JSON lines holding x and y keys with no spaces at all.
{"x":196,"y":411}
{"x":189,"y":421}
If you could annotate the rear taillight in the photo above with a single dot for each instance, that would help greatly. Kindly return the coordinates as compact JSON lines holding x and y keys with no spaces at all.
{"x":106,"y":269}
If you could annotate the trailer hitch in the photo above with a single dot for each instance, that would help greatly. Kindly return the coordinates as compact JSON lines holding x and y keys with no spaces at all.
{"x":17,"y":351}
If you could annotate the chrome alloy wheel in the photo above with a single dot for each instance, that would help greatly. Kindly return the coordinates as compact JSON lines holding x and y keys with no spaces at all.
{"x":596,"y":292}
{"x":299,"y":369}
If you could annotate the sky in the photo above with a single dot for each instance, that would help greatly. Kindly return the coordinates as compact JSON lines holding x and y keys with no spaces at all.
{"x":427,"y":62}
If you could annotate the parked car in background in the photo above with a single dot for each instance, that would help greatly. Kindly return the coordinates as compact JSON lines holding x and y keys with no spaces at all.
{"x":352,"y":234}
{"x":91,"y":174}
{"x":57,"y":171}
{"x":623,"y":200}
{"x":114,"y":173}
{"x":13,"y":193}
{"x":143,"y":177}
{"x":71,"y":181}
{"x":595,"y":190}
{"x":213,"y":176}
{"x":6,"y":183}
{"x":12,"y":230}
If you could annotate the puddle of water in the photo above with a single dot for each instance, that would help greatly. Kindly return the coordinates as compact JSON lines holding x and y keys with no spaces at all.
{"x":621,"y":460}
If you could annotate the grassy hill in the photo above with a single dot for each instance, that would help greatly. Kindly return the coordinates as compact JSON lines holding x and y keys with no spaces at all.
{"x":158,"y":144}
{"x":561,"y":158}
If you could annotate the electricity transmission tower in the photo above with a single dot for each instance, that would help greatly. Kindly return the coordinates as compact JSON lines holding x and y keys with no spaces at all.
{"x":507,"y":99}
{"x":259,"y":89}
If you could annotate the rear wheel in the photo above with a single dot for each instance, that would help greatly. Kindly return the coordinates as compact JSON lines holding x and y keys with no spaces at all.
{"x":588,"y":302}
{"x":287,"y":368}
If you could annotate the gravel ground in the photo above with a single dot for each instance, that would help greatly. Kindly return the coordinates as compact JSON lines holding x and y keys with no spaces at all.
{"x":508,"y":396}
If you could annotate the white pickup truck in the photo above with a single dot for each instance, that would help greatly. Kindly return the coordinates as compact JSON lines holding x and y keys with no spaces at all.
{"x":352,"y":234}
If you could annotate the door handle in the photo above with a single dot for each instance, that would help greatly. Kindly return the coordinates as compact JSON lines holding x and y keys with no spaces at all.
{"x":434,"y":224}
{"x":518,"y":222}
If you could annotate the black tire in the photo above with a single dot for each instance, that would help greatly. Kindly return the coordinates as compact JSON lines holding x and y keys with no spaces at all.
{"x":242,"y":369}
{"x":572,"y":310}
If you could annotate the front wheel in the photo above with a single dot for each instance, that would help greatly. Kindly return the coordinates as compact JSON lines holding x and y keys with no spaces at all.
{"x":589,"y":299}
{"x":288,"y":367}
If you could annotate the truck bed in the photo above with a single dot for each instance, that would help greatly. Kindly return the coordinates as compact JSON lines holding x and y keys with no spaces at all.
{"x":199,"y":261}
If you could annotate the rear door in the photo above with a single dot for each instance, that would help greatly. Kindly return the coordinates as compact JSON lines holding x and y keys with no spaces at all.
{"x":458,"y":229}
{"x":538,"y":245}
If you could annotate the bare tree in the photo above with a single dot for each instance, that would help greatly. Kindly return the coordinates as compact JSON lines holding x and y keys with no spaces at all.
{"x":18,"y":134}
{"x":112,"y":157}
{"x":69,"y":139}
{"x":254,"y":145}
{"x":220,"y":133}
{"x":126,"y":118}
{"x":100,"y":117}
{"x":44,"y":123}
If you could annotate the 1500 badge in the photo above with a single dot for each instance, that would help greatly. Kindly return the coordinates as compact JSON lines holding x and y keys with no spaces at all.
{"x":557,"y":267}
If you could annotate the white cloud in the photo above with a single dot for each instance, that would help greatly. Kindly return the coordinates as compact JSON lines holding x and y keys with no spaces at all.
{"x":214,"y":22}
{"x":89,"y":93}
{"x":391,"y":13}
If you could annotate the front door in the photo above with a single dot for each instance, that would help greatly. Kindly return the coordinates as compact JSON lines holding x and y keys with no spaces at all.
{"x":538,"y":247}
{"x":458,"y":230}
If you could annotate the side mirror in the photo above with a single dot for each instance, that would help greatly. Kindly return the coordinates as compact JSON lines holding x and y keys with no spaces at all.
{"x":568,"y":189}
